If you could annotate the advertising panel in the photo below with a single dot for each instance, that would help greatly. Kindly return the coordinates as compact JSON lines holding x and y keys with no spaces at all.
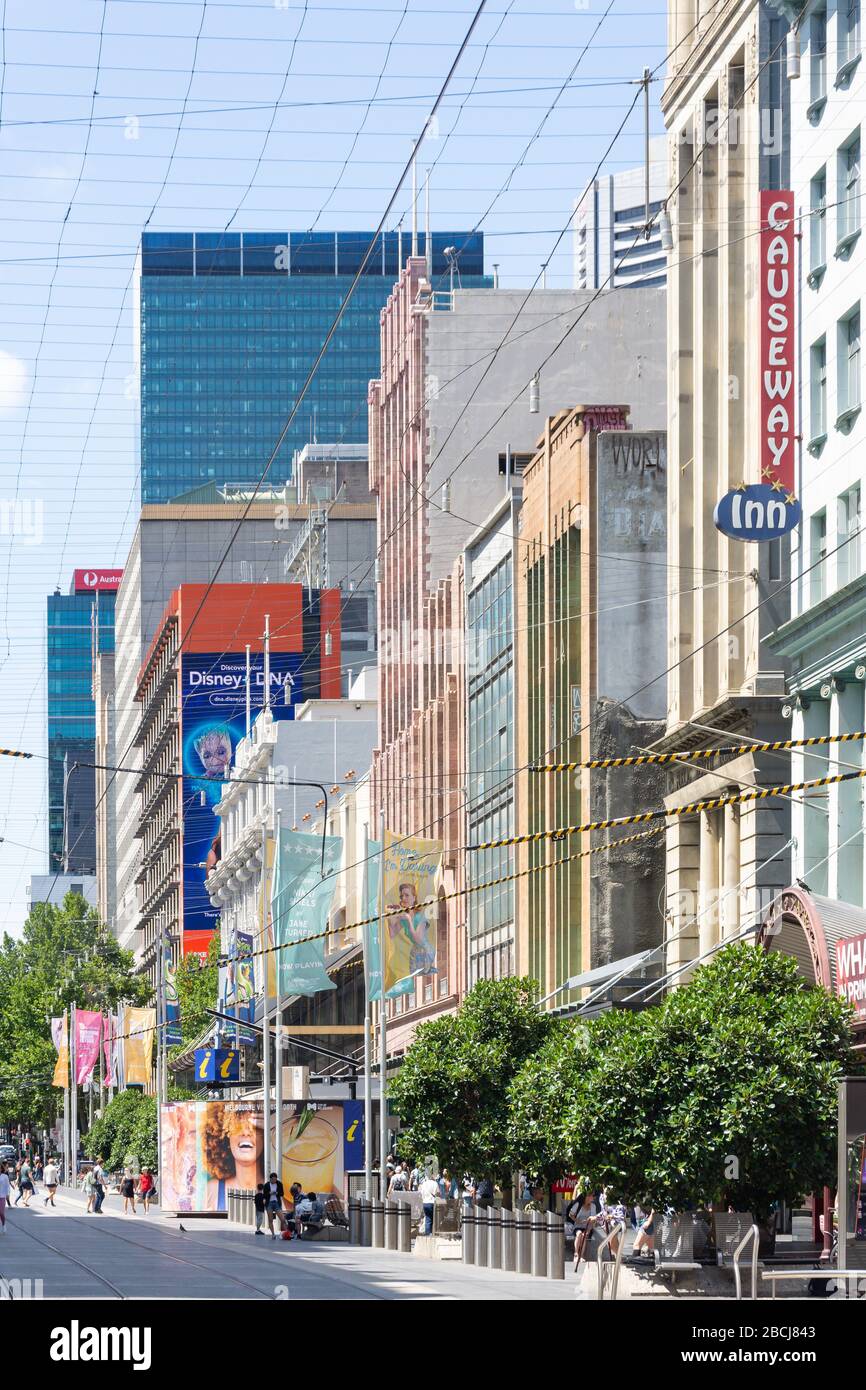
{"x":96,"y":581}
{"x":302,"y":893}
{"x":210,"y":1146}
{"x":88,"y":1039}
{"x":213,"y":702}
{"x":137,"y":1032}
{"x":60,"y":1038}
{"x":851,"y":972}
{"x":412,"y":868}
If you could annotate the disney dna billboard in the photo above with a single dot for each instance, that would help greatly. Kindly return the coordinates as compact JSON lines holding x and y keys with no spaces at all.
{"x":213,"y":722}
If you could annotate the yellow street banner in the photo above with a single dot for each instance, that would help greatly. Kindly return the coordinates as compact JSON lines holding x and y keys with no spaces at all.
{"x":412,"y":871}
{"x":60,"y":1037}
{"x":139,"y":1026}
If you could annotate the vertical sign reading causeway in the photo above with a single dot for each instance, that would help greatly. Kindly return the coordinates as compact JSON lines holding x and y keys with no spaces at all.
{"x":777,"y":339}
{"x":767,"y":509}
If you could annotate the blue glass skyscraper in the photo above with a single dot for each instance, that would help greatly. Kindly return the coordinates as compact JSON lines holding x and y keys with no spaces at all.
{"x":230,"y":325}
{"x":72,"y":620}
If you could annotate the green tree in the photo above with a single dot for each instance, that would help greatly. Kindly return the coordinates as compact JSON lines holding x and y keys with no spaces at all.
{"x":451,"y":1092}
{"x":726,"y":1093}
{"x":197,"y":991}
{"x":64,"y":955}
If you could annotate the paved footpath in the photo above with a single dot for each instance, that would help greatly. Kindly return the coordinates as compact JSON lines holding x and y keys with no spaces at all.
{"x":112,"y":1256}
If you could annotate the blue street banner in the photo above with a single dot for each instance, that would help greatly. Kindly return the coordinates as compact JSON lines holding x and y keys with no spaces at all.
{"x":372,"y":952}
{"x":237,"y":989}
{"x":213,"y":704}
{"x":300,"y":902}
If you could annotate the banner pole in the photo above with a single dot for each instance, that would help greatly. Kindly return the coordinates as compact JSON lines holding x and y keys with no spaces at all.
{"x":278,"y":1044}
{"x":383,"y":1024}
{"x":73,"y":1095}
{"x":368,"y":1051}
{"x":266,"y":1019}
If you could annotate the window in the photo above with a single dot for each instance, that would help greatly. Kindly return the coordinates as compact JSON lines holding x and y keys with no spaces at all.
{"x":848,"y":537}
{"x":818,"y":53}
{"x":849,"y":189}
{"x":818,"y":555}
{"x":849,"y":366}
{"x":849,"y":47}
{"x":818,"y":391}
{"x":818,"y":223}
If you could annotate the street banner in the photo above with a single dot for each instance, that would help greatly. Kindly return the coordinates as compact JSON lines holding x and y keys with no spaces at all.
{"x":412,"y":870}
{"x":60,"y":1038}
{"x":372,"y":954}
{"x":138,"y":1027}
{"x":301,"y":900}
{"x":170,"y":1001}
{"x":268,"y":973}
{"x":88,"y":1040}
{"x":109,"y":1048}
{"x":237,"y":992}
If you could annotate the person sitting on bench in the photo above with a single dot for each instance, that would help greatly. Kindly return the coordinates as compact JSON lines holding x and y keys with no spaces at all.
{"x":311,"y":1213}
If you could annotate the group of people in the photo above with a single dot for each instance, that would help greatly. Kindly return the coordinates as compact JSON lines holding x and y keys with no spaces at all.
{"x":23,"y":1176}
{"x":591,"y":1216}
{"x":433,"y":1187}
{"x":94,"y":1185}
{"x":302,"y":1211}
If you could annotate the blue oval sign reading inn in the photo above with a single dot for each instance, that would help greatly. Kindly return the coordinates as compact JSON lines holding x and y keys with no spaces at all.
{"x":758,"y":512}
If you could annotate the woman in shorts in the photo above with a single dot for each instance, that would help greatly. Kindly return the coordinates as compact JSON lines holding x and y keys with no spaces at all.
{"x":127,"y":1190}
{"x":146,"y":1188}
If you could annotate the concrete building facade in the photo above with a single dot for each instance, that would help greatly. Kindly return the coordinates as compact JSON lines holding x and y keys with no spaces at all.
{"x":591,"y":641}
{"x":726,"y":109}
{"x":610,"y":248}
{"x":455,"y":407}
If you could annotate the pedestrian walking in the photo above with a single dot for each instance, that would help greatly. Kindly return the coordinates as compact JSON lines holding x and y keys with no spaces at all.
{"x":447,"y":1185}
{"x":127,"y":1190}
{"x":49,"y":1177}
{"x":146,"y":1189}
{"x":399,"y":1180}
{"x":468,"y":1195}
{"x":259,"y":1207}
{"x":484,"y":1193}
{"x":274,"y":1202}
{"x":429,"y":1193}
{"x":88,"y":1187}
{"x":98,"y":1186}
{"x":5,"y":1189}
{"x":25,"y":1183}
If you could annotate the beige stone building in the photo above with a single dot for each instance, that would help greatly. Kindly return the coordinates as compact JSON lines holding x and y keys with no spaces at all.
{"x":725,"y":106}
{"x":590,"y":649}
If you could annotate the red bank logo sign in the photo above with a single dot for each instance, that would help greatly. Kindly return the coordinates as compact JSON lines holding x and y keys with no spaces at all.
{"x":851,"y":971}
{"x":96,"y":581}
{"x":777,"y":340}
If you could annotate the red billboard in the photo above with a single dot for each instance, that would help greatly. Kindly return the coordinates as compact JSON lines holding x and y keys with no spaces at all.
{"x":777,"y":340}
{"x":851,"y":972}
{"x":95,"y":581}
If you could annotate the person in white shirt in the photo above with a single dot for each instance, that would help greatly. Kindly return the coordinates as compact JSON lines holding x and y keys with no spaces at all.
{"x":429,"y":1193}
{"x":49,"y":1178}
{"x":5,"y":1189}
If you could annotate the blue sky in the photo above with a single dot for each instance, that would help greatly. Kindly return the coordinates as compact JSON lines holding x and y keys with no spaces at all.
{"x":263,"y":115}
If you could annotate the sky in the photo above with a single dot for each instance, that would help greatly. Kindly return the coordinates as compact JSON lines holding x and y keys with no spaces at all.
{"x":260,"y":115}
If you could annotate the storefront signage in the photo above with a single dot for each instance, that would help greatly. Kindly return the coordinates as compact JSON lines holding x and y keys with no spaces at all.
{"x":851,"y":972}
{"x":768,"y":509}
{"x":96,"y":581}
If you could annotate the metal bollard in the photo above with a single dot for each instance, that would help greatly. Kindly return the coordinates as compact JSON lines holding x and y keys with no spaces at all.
{"x":231,"y":1204}
{"x":481,"y":1237}
{"x":508,"y":1231}
{"x":494,"y":1239}
{"x":366,"y":1234}
{"x":377,"y":1224}
{"x":538,"y":1240}
{"x":468,"y":1227}
{"x":522,"y":1245}
{"x":390,"y":1224}
{"x":404,"y":1228}
{"x":354,"y":1221}
{"x":555,"y":1246}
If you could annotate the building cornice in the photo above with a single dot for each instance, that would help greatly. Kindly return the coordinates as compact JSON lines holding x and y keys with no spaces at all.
{"x":697,"y":68}
{"x":817,"y":622}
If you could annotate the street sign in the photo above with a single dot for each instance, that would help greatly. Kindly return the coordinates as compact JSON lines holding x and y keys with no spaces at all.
{"x":757,"y":512}
{"x":217,"y":1064}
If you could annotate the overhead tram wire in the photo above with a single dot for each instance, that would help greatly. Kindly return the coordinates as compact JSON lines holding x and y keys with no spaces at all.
{"x":328,"y":338}
{"x":48,"y":305}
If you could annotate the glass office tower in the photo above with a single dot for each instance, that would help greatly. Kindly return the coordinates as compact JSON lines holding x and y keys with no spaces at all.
{"x":231,"y":324}
{"x":72,"y":626}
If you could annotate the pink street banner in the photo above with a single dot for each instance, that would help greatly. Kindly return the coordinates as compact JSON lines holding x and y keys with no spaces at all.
{"x":88,"y":1037}
{"x":109,"y":1034}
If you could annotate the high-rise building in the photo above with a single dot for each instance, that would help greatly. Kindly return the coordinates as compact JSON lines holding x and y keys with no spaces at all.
{"x":176,"y":544}
{"x":75,"y":623}
{"x":230,"y":324}
{"x":609,"y":220}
